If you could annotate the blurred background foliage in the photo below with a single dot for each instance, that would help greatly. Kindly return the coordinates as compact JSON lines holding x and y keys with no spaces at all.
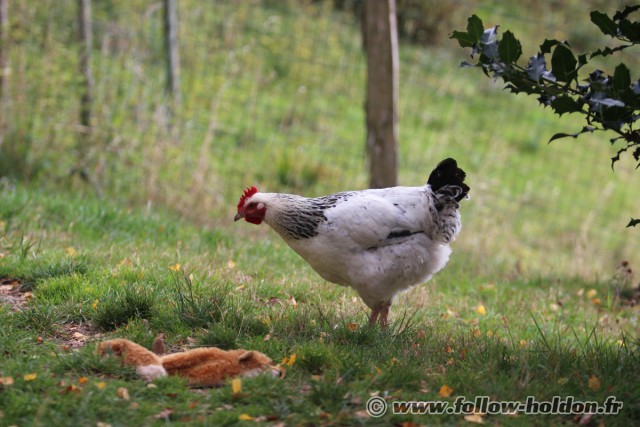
{"x":272,"y":95}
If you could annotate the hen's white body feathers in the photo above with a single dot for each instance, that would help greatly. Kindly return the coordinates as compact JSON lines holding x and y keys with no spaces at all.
{"x":353,"y":246}
{"x":379,"y":241}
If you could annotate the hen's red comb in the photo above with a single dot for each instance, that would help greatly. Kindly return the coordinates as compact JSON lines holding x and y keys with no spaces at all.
{"x":247,"y":193}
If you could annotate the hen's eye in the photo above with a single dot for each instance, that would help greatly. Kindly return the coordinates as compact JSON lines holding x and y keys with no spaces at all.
{"x":252,"y":205}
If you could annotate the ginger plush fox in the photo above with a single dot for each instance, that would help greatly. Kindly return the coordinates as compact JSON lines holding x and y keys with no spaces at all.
{"x":207,"y":366}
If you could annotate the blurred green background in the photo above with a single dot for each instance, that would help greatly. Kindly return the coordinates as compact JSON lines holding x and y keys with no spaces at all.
{"x":273,"y":95}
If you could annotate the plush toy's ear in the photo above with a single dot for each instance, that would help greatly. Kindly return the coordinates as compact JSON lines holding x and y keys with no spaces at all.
{"x":246,"y":356}
{"x":108,"y":347}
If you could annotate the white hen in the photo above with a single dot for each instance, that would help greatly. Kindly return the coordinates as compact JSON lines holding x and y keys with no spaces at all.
{"x":378,"y":241}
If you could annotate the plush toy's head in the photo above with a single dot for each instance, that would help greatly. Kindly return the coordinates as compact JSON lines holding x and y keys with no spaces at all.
{"x":254,"y":363}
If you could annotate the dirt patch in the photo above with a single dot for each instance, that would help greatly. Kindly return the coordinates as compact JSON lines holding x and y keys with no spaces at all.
{"x":76,"y":335}
{"x":71,"y":335}
{"x":11,"y":293}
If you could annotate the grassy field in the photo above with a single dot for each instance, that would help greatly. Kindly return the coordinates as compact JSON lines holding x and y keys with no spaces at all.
{"x":527,"y":306}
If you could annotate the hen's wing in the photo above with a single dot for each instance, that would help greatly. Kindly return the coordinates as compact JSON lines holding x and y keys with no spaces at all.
{"x":375,"y":218}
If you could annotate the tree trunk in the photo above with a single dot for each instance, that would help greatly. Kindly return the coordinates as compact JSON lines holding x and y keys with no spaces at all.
{"x":4,"y":66}
{"x":86,"y":41}
{"x":380,"y":41}
{"x":172,"y":52}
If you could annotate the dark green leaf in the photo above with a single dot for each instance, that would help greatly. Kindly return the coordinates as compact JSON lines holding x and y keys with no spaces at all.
{"x":606,"y":24}
{"x":582,"y":59}
{"x":464,"y":39}
{"x":475,"y":28}
{"x":563,"y":135}
{"x":563,"y":63}
{"x":547,"y":45}
{"x":509,"y":48}
{"x":572,"y":135}
{"x":622,"y":14}
{"x":630,"y":30}
{"x":565,"y":104}
{"x":621,"y":78}
{"x":633,"y":222}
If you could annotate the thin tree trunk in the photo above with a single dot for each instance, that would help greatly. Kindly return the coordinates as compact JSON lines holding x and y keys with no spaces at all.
{"x":380,"y":40}
{"x":4,"y":65}
{"x":172,"y":51}
{"x":86,"y":39}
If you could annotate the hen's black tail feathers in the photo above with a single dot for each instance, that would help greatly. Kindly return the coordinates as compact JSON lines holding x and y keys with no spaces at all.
{"x":446,"y":174}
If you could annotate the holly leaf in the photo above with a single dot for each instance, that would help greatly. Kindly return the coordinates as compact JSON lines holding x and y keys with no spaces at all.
{"x":472,"y":36}
{"x":572,"y":135}
{"x":509,"y":48}
{"x":630,"y":30}
{"x":475,"y":28}
{"x":536,"y":67}
{"x":565,"y":104}
{"x":633,"y":222}
{"x":489,"y":41}
{"x":606,"y":24}
{"x":621,"y":78}
{"x":563,"y":63}
{"x":546,"y":46}
{"x":464,"y":39}
{"x":622,"y":14}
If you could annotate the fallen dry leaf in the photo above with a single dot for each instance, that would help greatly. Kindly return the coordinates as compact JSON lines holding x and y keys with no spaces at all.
{"x":122,"y":393}
{"x":594,"y":382}
{"x":293,"y":302}
{"x":82,"y":380}
{"x":481,"y":310}
{"x":6,"y":380}
{"x":289,"y":361}
{"x":70,"y":389}
{"x":175,"y":267}
{"x":585,"y":419}
{"x":236,"y":386}
{"x":101,"y":385}
{"x":245,"y":417}
{"x":30,"y":377}
{"x":164,"y":414}
{"x":445,"y":391}
{"x":474,"y":418}
{"x":362,"y":415}
{"x":352,"y":326}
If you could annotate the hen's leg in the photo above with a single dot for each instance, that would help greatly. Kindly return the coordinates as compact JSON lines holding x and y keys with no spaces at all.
{"x":384,"y":313}
{"x":374,"y":315}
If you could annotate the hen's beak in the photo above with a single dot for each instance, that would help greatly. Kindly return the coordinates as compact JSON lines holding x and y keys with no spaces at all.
{"x":238,"y":216}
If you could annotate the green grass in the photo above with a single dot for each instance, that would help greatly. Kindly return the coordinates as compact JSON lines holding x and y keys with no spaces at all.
{"x":540,"y":337}
{"x":273,"y":97}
